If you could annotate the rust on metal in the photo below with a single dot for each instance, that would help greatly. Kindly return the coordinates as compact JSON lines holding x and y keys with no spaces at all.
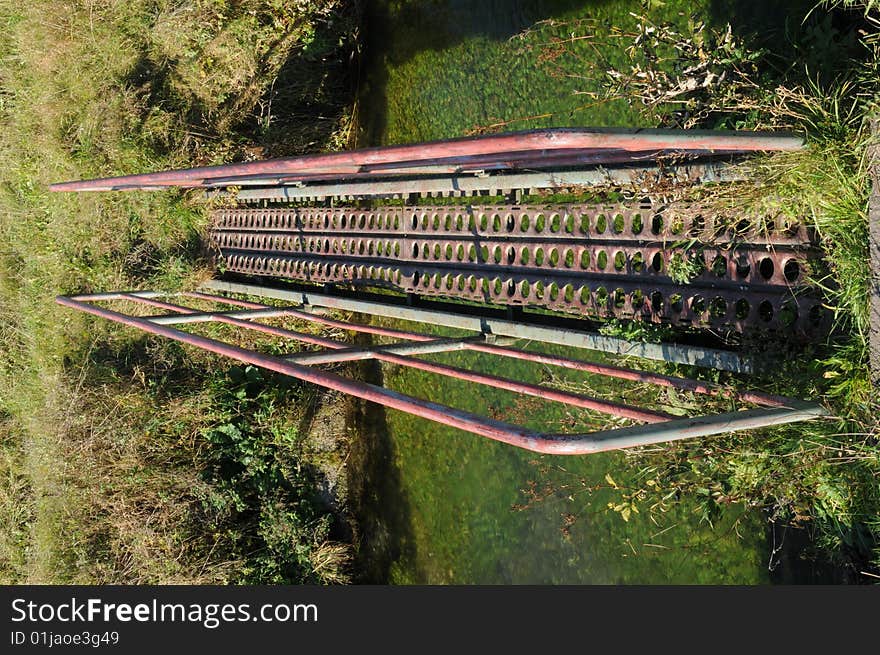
{"x":587,"y":260}
{"x":535,"y":148}
{"x":590,"y":260}
{"x":661,"y":427}
{"x":650,"y":174}
{"x":577,"y":400}
{"x":486,"y":320}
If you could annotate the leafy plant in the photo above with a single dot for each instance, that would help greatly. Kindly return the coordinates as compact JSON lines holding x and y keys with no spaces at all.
{"x":640,"y":331}
{"x":685,"y":266}
{"x":261,"y":485}
{"x":685,"y":75}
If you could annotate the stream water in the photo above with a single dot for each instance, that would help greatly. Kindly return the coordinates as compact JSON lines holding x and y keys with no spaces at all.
{"x":449,"y":507}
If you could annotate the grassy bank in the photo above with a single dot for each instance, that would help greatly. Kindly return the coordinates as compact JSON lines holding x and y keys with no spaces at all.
{"x":122,"y":460}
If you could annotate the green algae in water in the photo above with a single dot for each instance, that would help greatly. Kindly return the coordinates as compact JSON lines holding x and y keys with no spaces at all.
{"x":448,"y":68}
{"x":439,"y":69}
{"x":463,"y":495}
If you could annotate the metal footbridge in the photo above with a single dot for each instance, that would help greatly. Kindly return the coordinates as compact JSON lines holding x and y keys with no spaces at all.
{"x":515,"y":239}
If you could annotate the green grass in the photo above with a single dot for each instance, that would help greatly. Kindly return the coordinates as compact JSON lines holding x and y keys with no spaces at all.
{"x":101,"y":476}
{"x":459,"y":68}
{"x":15,"y":505}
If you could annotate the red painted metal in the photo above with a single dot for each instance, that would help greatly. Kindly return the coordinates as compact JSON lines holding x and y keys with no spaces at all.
{"x":367,"y":329}
{"x":478,"y":151}
{"x":486,"y":427}
{"x":577,"y":400}
{"x":449,"y":165}
{"x":684,"y":384}
{"x":221,"y":299}
{"x":329,"y":322}
{"x":152,"y":302}
{"x":280,"y":332}
{"x":663,"y":428}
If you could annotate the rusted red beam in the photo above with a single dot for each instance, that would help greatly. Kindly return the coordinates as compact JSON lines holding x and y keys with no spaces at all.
{"x":280,"y":332}
{"x":463,"y":420}
{"x":306,"y":316}
{"x":684,"y":384}
{"x":222,"y":299}
{"x":577,"y":444}
{"x":449,"y":165}
{"x":542,"y":143}
{"x":535,"y":160}
{"x":538,"y":391}
{"x":152,"y":302}
{"x":237,"y":322}
{"x":577,"y":400}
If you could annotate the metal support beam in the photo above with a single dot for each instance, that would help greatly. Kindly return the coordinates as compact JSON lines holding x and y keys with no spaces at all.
{"x":577,"y":400}
{"x":427,"y":344}
{"x":461,"y":185}
{"x":702,"y":426}
{"x":589,"y":260}
{"x":204,"y":317}
{"x":669,"y":352}
{"x":465,"y":153}
{"x":468,"y":421}
{"x":352,"y":354}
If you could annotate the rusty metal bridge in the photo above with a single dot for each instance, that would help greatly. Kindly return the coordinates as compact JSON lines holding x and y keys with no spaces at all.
{"x":470,"y":234}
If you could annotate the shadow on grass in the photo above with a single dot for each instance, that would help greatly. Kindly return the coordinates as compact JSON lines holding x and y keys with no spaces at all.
{"x":297,"y":108}
{"x":259,"y":501}
{"x":302,"y":109}
{"x":795,"y":558}
{"x":381,"y":507}
{"x":803,"y":41}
